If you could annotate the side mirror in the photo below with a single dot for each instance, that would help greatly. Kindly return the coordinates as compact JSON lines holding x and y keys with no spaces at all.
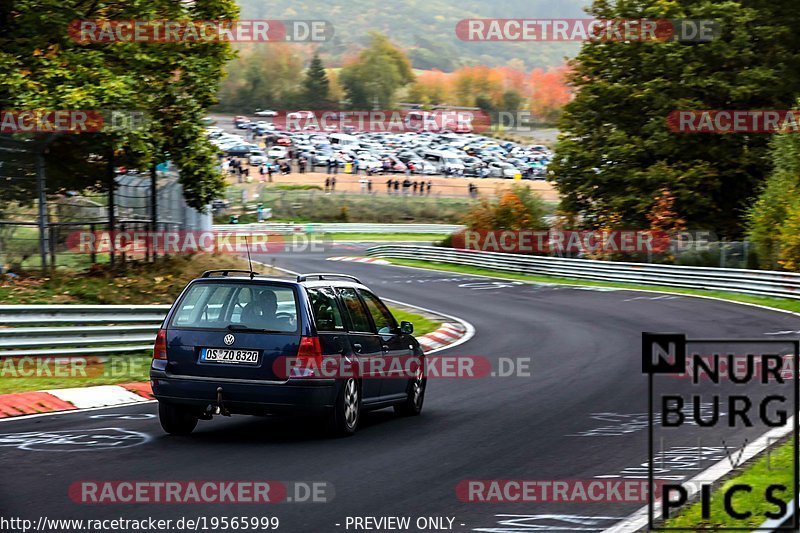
{"x":406,"y":327}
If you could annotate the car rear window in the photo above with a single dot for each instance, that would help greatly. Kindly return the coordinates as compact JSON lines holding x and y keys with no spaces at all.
{"x":247,"y":305}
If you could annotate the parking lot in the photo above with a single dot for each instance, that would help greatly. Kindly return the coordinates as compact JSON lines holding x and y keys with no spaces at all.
{"x":371,"y":152}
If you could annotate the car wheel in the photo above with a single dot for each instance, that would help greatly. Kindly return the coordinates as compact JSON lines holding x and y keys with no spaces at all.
{"x":412,"y":405}
{"x":347,"y":411}
{"x":175,"y":420}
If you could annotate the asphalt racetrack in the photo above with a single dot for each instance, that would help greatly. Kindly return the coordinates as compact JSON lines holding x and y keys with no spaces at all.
{"x":584,"y":348}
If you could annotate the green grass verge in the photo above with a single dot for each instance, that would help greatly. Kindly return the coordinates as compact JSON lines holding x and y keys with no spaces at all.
{"x":778,"y":303}
{"x":135,"y":283}
{"x":422,"y":325}
{"x":115,"y":369}
{"x":774,"y":467}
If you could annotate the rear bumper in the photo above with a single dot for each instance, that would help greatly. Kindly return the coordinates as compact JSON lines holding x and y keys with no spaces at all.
{"x":314,"y":396}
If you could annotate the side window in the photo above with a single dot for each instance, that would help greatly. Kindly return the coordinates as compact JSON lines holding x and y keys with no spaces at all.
{"x":325,"y":309}
{"x":215,"y":304}
{"x":383,"y":319}
{"x":355,"y":310}
{"x":243,"y":297}
{"x":190,"y":307}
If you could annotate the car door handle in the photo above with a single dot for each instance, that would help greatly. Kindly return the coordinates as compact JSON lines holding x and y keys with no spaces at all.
{"x":385,"y":348}
{"x":339,"y":345}
{"x":357,"y":348}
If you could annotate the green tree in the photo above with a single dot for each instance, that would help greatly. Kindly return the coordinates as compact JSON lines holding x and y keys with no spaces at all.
{"x":771,"y":218}
{"x":373,"y":80}
{"x":43,"y":67}
{"x":316,"y":86}
{"x":616,"y":151}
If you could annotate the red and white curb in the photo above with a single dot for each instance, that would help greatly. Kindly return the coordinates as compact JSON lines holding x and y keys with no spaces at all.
{"x":37,"y":402}
{"x":354,"y":259}
{"x":449,"y":333}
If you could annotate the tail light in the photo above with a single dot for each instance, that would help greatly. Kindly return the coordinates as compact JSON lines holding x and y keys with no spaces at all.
{"x":160,"y":347}
{"x":309,"y":358}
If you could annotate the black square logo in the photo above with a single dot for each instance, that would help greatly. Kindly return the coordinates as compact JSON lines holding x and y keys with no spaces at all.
{"x":663,"y":353}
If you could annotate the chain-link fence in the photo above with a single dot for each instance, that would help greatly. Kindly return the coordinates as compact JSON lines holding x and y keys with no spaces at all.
{"x":43,"y":223}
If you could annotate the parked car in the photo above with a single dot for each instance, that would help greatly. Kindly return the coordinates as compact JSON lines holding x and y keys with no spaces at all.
{"x":266,"y":113}
{"x":257,"y":157}
{"x":239,"y":150}
{"x":222,"y":346}
{"x":278,"y":152}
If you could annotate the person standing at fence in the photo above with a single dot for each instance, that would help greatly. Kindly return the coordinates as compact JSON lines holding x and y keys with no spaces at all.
{"x":369,"y":186}
{"x":333,"y":183}
{"x":396,"y":186}
{"x":389,"y":184}
{"x":430,"y":185}
{"x":327,"y":183}
{"x":414,"y":186}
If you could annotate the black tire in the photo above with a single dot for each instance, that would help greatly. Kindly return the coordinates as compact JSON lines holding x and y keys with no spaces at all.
{"x":346,"y":415}
{"x":412,"y":405}
{"x":175,"y":420}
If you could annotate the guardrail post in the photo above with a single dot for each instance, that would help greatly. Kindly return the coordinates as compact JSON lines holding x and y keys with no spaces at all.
{"x":92,"y":246}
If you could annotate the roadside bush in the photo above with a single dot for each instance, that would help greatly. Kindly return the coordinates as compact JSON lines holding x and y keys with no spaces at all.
{"x":774,"y":219}
{"x":516,"y":209}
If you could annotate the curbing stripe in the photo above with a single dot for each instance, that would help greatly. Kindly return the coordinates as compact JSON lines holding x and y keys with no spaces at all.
{"x":25,"y":403}
{"x":99,"y":396}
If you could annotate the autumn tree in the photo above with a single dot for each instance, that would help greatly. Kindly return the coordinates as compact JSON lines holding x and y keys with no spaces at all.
{"x":517,"y":208}
{"x":374,"y":78}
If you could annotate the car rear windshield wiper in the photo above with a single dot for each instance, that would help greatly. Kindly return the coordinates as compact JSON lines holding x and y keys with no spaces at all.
{"x":239,"y":327}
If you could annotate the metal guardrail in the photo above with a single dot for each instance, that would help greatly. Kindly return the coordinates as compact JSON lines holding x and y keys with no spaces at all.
{"x":291,"y":227}
{"x":53,"y":330}
{"x":759,"y":282}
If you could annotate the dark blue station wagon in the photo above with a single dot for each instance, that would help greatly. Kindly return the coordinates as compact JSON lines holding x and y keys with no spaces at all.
{"x":222,"y":347}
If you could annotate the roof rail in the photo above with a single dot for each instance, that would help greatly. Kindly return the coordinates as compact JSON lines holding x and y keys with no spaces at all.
{"x":226,"y":271}
{"x":325,"y":275}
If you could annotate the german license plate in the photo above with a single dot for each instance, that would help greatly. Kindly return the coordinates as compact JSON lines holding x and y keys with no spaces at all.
{"x":225,"y":355}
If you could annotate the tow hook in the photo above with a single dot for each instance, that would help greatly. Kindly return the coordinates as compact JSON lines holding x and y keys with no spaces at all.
{"x":219,"y":409}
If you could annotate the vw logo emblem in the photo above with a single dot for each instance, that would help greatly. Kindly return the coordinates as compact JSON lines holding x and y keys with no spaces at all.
{"x":228,"y":339}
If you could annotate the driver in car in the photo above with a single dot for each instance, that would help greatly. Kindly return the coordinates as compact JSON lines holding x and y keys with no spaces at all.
{"x":261,"y":313}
